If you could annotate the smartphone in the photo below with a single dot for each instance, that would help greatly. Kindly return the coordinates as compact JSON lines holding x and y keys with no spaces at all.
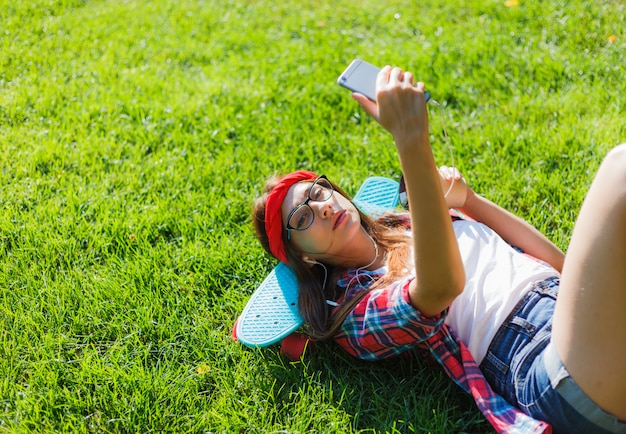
{"x":360,"y":77}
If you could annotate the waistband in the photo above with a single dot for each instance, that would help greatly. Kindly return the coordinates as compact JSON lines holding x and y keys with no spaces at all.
{"x":548,"y":286}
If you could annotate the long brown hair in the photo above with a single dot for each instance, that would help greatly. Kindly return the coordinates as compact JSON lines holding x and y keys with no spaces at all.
{"x":321,"y":320}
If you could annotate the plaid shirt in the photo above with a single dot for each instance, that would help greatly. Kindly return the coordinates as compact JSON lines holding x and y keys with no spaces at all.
{"x":385,"y":324}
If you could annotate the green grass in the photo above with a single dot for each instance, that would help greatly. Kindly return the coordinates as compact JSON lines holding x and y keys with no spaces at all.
{"x":134,"y":136}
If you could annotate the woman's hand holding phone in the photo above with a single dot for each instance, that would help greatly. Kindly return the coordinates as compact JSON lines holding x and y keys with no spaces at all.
{"x":400,"y":106}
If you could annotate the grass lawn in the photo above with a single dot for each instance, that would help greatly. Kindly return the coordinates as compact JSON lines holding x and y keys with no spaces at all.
{"x":134,"y":136}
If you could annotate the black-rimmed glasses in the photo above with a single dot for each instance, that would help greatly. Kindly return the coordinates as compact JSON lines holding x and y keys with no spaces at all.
{"x":301,"y":217}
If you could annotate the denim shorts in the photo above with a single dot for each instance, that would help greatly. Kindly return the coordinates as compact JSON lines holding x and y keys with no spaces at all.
{"x":523,"y":366}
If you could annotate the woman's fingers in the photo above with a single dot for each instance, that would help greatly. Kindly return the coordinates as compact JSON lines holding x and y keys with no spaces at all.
{"x":370,"y":107}
{"x":450,"y":173}
{"x":409,"y":78}
{"x":382,"y":79}
{"x":399,"y":108}
{"x":396,"y":75}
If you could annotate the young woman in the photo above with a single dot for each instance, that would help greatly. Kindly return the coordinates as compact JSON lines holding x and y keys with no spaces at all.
{"x":477,"y":294}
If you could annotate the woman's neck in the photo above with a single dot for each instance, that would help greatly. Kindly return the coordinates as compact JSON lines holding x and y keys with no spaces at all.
{"x":372,"y":255}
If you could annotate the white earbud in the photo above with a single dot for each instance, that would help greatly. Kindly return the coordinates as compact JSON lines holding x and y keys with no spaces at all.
{"x":314,"y":262}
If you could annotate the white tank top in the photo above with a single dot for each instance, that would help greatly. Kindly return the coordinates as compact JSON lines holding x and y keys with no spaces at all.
{"x":497,"y":278}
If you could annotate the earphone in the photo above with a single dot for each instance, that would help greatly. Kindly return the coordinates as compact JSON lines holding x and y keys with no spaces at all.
{"x":356,"y":275}
{"x":314,"y":262}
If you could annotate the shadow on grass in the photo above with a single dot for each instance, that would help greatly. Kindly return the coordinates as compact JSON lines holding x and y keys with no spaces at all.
{"x":399,"y":395}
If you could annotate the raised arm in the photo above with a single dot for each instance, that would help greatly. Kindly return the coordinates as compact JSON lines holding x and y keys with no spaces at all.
{"x":511,"y":228}
{"x":401,"y":110}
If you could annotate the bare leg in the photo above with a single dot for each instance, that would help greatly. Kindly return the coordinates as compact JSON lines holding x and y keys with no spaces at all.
{"x":589,"y":328}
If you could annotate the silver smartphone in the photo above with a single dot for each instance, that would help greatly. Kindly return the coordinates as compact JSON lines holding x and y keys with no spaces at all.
{"x":360,"y":77}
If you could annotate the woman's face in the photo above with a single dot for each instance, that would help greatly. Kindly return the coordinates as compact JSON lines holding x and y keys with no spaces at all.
{"x":336,"y":222}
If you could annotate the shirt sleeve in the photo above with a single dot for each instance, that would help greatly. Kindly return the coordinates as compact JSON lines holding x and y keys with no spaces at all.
{"x":384,"y":324}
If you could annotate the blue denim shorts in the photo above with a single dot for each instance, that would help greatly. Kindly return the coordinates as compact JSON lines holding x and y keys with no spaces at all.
{"x":523,"y":366}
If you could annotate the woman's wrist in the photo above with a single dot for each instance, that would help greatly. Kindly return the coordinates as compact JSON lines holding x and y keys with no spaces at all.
{"x":470,"y":198}
{"x":414,"y":153}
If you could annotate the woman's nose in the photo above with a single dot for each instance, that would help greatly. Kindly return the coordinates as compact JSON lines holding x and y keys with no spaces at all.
{"x":323,"y":209}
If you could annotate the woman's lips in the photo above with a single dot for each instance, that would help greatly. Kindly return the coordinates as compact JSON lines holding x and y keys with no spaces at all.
{"x":339,"y":218}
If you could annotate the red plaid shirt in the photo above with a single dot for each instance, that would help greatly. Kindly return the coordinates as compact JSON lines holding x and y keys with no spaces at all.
{"x":385,"y":324}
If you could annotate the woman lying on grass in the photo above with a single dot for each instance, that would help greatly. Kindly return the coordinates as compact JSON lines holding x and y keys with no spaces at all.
{"x":454,"y":287}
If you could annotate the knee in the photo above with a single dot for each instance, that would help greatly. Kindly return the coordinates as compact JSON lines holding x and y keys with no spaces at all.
{"x":617,"y":154}
{"x":614,"y":166}
{"x":616,"y":158}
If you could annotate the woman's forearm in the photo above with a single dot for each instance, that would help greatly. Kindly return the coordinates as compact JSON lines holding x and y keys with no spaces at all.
{"x":513,"y":230}
{"x":438,"y":264}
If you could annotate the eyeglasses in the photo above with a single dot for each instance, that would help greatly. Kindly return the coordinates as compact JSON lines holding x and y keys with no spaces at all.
{"x":301,"y":217}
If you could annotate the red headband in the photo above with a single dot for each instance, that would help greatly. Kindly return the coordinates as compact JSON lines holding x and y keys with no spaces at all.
{"x":273,"y":216}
